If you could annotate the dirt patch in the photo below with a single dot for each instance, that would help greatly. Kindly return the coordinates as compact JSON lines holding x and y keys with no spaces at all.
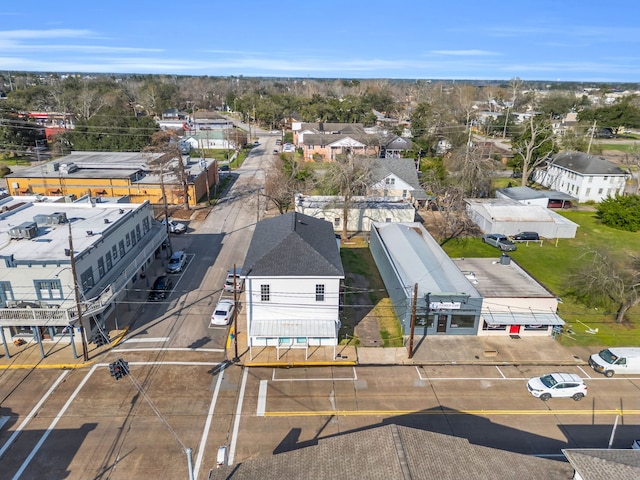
{"x":361,"y":317}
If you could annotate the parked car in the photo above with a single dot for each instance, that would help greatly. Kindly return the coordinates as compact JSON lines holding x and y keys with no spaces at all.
{"x":256,"y":143}
{"x":230,"y":281}
{"x":561,"y":385}
{"x":499,"y":241}
{"x":524,"y":236}
{"x":161,"y":288}
{"x":224,"y":169}
{"x":175,"y":227}
{"x":177,"y":262}
{"x":223,"y":313}
{"x":559,"y":204}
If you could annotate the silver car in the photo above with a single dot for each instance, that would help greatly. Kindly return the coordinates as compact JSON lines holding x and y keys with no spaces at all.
{"x":499,"y":241}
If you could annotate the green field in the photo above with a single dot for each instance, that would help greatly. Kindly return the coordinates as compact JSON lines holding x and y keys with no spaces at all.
{"x":551,"y":263}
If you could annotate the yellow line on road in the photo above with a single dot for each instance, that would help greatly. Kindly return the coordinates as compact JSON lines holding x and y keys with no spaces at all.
{"x":347,"y":413}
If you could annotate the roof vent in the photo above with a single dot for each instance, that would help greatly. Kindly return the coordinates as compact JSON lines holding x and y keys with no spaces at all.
{"x":106,"y":220}
{"x":121,"y":211}
{"x":89,"y":233}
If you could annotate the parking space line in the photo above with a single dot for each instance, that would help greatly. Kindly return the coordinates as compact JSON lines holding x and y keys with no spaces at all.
{"x":207,"y":423}
{"x":331,"y":379}
{"x":35,"y":409}
{"x":236,"y":422}
{"x":585,"y":373}
{"x":500,"y":371}
{"x":171,"y":349}
{"x":53,"y":424}
{"x":262,"y":398}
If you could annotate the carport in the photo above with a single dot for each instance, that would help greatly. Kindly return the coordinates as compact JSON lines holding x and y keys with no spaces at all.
{"x":296,"y":333}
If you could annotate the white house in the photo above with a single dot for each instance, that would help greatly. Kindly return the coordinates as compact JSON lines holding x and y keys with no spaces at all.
{"x":363,"y":211}
{"x":210,"y":139}
{"x":46,"y":240}
{"x":586,"y":177}
{"x":293,"y":273}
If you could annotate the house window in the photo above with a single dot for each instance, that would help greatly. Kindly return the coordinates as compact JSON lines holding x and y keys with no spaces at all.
{"x":109,"y":262}
{"x":101,"y":267}
{"x":264,"y":293}
{"x":387,"y":220}
{"x":133,"y":237}
{"x":590,"y":179}
{"x":87,"y":279}
{"x":336,"y":222}
{"x":128,"y":238}
{"x":114,"y":251}
{"x":319,"y":293}
{"x":138,"y":232}
{"x":145,"y":225}
{"x":588,"y":191}
{"x":122,"y":250}
{"x":6,"y":293}
{"x":390,"y":181}
{"x":48,"y":289}
{"x":605,"y":178}
{"x":599,"y":191}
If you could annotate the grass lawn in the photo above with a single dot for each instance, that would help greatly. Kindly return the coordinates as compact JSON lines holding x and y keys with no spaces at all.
{"x":621,"y":147}
{"x":357,"y":260}
{"x":551,"y":263}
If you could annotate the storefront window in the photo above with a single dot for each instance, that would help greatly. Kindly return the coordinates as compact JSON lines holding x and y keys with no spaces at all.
{"x":486,"y":326}
{"x":462,"y":321}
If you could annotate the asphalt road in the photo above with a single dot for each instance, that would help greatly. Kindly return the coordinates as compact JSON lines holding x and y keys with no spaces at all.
{"x":80,"y":424}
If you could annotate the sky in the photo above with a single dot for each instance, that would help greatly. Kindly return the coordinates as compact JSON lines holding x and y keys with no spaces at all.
{"x":554,"y":40}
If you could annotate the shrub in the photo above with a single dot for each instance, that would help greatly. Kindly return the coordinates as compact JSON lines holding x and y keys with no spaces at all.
{"x":619,"y":212}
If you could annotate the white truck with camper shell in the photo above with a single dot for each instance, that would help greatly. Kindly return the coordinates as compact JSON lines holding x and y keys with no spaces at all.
{"x":620,"y":360}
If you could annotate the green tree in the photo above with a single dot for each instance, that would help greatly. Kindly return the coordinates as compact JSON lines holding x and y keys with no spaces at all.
{"x":556,"y":104}
{"x":623,"y":113}
{"x":112,"y":131}
{"x":621,"y":212}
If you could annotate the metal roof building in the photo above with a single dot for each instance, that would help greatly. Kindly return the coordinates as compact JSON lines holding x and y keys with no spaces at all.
{"x":408,"y":256}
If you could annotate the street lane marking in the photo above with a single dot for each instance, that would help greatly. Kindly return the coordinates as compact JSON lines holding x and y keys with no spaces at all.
{"x":3,"y":420}
{"x":354,"y":413}
{"x":32,"y":413}
{"x":53,"y":424}
{"x":207,"y":424}
{"x":236,"y":422}
{"x":262,"y":398}
{"x":500,"y":372}
{"x":330,"y":379}
{"x":171,"y":349}
{"x":146,"y":340}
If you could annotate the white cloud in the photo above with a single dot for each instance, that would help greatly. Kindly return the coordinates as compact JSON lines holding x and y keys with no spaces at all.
{"x":466,"y":53}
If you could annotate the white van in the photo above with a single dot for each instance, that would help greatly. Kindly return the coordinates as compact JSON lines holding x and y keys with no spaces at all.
{"x":616,"y":360}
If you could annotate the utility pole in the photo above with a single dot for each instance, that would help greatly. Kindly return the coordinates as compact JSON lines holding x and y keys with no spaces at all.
{"x":413,"y":319}
{"x":593,"y":132}
{"x":76,"y":290}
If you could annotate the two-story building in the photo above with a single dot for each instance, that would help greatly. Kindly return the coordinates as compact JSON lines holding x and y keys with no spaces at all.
{"x":45,"y":240}
{"x":293,"y":273}
{"x":583,"y":176}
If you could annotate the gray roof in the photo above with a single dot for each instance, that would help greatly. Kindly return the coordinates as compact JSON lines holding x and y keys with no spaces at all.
{"x":596,"y":464}
{"x":585,"y":164}
{"x":527,"y":193}
{"x":392,"y":452}
{"x":293,"y":244}
{"x":332,"y":127}
{"x":403,"y":168}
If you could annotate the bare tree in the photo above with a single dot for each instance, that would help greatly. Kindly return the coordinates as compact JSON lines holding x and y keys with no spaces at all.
{"x":605,"y":281}
{"x":348,"y":177}
{"x":284,"y":178}
{"x":533,"y":147}
{"x":170,"y":160}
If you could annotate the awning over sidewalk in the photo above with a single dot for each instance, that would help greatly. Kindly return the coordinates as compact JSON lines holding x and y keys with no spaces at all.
{"x":524,"y":318}
{"x":294,"y":328}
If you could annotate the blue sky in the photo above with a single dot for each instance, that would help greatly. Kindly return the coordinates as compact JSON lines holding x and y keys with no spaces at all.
{"x":564,"y":40}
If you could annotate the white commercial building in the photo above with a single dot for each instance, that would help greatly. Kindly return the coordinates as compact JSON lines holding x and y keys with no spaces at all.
{"x":44,"y":240}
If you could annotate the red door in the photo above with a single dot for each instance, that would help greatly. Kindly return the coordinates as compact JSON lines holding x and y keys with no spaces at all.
{"x":514,"y":329}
